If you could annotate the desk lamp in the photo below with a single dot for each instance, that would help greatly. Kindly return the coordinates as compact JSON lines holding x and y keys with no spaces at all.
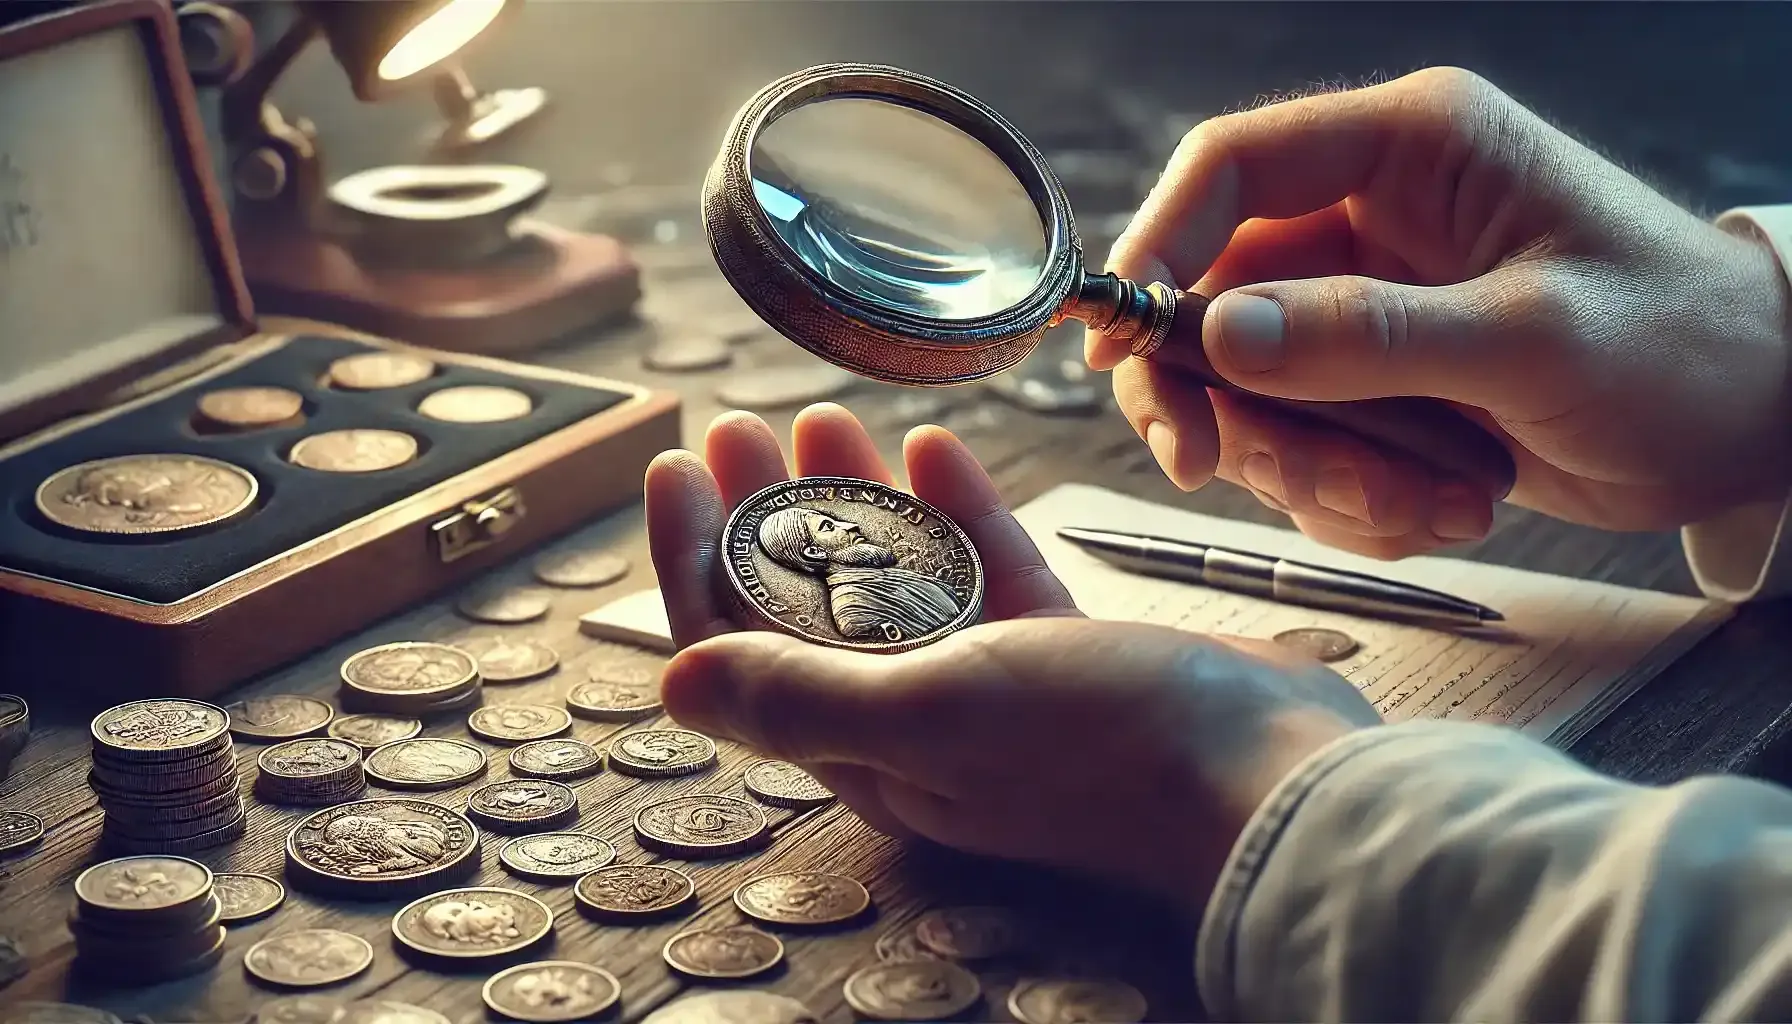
{"x":434,"y":255}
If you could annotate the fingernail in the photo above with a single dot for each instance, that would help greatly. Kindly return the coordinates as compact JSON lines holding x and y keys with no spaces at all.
{"x":1162,"y":441}
{"x":1460,"y":513}
{"x":1341,"y":490}
{"x":1260,"y":474}
{"x":1251,"y":330}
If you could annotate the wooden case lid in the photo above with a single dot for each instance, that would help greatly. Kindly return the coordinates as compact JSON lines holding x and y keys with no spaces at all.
{"x":116,"y":257}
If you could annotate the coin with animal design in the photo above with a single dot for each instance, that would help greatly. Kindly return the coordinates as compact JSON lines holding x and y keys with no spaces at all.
{"x":146,"y":494}
{"x":425,"y":762}
{"x":246,"y":896}
{"x":519,"y":804}
{"x":1075,"y":1000}
{"x":802,"y":898}
{"x":555,"y":856}
{"x":518,"y":723}
{"x":658,"y":753}
{"x":477,"y":922}
{"x":279,"y":717}
{"x":701,"y":825}
{"x":561,"y":758}
{"x":308,"y":958}
{"x":783,"y":784}
{"x":370,"y":848}
{"x":634,"y":890}
{"x":551,"y":991}
{"x":729,"y":952}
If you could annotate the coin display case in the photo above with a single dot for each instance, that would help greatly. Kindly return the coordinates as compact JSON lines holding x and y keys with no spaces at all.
{"x":122,"y":306}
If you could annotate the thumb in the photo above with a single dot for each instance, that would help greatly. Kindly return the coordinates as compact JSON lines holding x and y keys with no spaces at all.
{"x":1347,"y":338}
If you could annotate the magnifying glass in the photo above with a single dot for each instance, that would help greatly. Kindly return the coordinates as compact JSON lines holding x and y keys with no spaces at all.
{"x":899,"y":228}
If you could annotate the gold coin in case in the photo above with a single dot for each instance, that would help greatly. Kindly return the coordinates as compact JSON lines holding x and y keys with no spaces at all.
{"x":354,"y":451}
{"x":248,"y":408}
{"x":376,"y":371}
{"x":476,"y":403}
{"x":146,"y":494}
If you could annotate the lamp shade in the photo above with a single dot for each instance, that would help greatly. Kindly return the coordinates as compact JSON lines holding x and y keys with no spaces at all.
{"x":386,"y":45}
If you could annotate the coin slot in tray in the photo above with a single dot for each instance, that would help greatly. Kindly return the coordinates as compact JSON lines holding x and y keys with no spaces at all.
{"x":295,"y":504}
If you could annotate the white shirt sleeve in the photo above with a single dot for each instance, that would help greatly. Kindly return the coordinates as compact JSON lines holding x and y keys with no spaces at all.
{"x":1739,"y":555}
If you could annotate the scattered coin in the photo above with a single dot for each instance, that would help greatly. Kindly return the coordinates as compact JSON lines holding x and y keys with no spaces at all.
{"x":581,"y":569}
{"x":35,"y":1012}
{"x":1074,"y":1000}
{"x":310,"y":772}
{"x":802,"y":897}
{"x":661,"y":753}
{"x":563,"y":759}
{"x":850,"y":563}
{"x":551,"y":991}
{"x":245,"y":897}
{"x":737,"y":1006}
{"x":1321,"y":644}
{"x":282,"y":717}
{"x":914,"y":990}
{"x":425,"y":762}
{"x":783,"y":784}
{"x":146,"y":494}
{"x":634,"y":890}
{"x":409,"y":678}
{"x":522,"y":804}
{"x":780,"y":387}
{"x":381,"y":849}
{"x":387,"y":1011}
{"x":249,"y":408}
{"x":308,"y":958}
{"x":731,"y":952}
{"x":476,"y":922}
{"x":553,"y":856}
{"x":374,"y":371}
{"x":303,"y":1009}
{"x":370,"y":732}
{"x":518,"y":723}
{"x":701,"y":825}
{"x":506,"y":660}
{"x":354,"y":451}
{"x":901,"y":944}
{"x":505,"y":606}
{"x":19,"y":831}
{"x":616,"y":693}
{"x":687,"y":352}
{"x":476,"y":403}
{"x":968,"y":933}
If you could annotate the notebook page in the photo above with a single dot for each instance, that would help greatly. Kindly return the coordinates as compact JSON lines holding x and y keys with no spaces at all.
{"x":1569,"y":650}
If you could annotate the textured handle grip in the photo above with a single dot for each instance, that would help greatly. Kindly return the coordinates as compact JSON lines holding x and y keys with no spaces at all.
{"x":1426,"y":429}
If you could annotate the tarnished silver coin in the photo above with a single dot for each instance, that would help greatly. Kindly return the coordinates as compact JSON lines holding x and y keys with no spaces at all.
{"x":660,"y":753}
{"x":355,"y":450}
{"x":851,"y":563}
{"x":969,"y":933}
{"x":1075,"y":1001}
{"x":144,"y":886}
{"x":505,"y":659}
{"x":19,"y":831}
{"x":146,"y":494}
{"x":735,"y":1006}
{"x":308,"y":958}
{"x":729,"y":952}
{"x":304,"y":1009}
{"x":553,"y":856}
{"x":311,"y":761}
{"x":634,"y":890}
{"x":410,"y":671}
{"x":783,"y":784}
{"x":248,"y":408}
{"x":521,"y":804}
{"x":505,"y":606}
{"x":581,"y":568}
{"x":389,"y":1011}
{"x":561,"y":758}
{"x":245,"y":897}
{"x":551,"y":991}
{"x":1321,"y":644}
{"x":476,"y":403}
{"x":381,"y":849}
{"x":370,"y":732}
{"x":518,"y":723}
{"x":701,"y":825}
{"x":425,"y":762}
{"x":616,"y":693}
{"x":914,"y":990}
{"x":160,"y":730}
{"x":802,"y":898}
{"x":280,"y":717}
{"x":477,"y":922}
{"x":374,"y":371}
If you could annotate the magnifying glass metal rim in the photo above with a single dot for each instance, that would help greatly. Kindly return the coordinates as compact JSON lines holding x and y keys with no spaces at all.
{"x":846,"y":329}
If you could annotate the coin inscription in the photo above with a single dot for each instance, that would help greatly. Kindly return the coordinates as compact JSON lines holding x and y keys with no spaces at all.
{"x":1320,"y":644}
{"x":802,"y":897}
{"x":851,"y":563}
{"x":783,"y":784}
{"x":734,"y":951}
{"x":425,"y":762}
{"x":616,"y":693}
{"x":314,"y":956}
{"x":662,"y":752}
{"x":481,"y":921}
{"x":370,"y":732}
{"x":410,"y":669}
{"x":383,"y":841}
{"x":507,"y":660}
{"x":634,"y":889}
{"x":518,"y":723}
{"x":476,"y":403}
{"x":244,"y":897}
{"x":146,"y":494}
{"x":248,"y":408}
{"x":913,"y":990}
{"x":551,"y":991}
{"x":700,"y":825}
{"x":280,"y":717}
{"x":356,"y":450}
{"x":556,"y":855}
{"x":373,"y":371}
{"x":560,"y":758}
{"x":1075,"y":1001}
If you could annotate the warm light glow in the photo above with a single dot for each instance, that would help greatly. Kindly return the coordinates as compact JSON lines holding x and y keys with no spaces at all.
{"x":439,"y":36}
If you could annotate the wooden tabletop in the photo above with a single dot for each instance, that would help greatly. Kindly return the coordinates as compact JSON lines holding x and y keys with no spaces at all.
{"x":1724,"y":707}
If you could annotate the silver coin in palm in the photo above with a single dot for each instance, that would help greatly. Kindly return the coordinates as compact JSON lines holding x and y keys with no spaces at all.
{"x":851,"y":563}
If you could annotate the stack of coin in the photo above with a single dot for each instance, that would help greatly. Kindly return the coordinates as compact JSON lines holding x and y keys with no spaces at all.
{"x":310,"y":772}
{"x":413,"y":680}
{"x":165,"y":773}
{"x":144,"y":920}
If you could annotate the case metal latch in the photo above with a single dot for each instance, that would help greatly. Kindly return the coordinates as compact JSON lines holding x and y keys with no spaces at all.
{"x":479,"y":523}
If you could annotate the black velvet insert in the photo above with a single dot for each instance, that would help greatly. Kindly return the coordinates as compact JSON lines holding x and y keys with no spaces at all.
{"x":295,"y":504}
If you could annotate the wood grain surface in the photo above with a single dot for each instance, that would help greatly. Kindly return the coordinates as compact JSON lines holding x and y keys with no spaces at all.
{"x":1722,"y":708}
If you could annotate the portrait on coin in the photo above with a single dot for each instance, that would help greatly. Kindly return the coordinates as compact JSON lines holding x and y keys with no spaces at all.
{"x":869,"y":596}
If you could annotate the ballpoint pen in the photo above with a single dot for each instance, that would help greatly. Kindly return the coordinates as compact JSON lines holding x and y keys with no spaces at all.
{"x":1276,"y":579}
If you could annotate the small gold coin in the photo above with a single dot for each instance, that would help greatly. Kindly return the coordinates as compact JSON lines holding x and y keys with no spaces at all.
{"x":505,"y":606}
{"x":354,"y":451}
{"x":616,"y":693}
{"x":370,"y":732}
{"x":912,"y":990}
{"x":518,"y":723}
{"x":734,"y":951}
{"x":308,"y":958}
{"x":476,"y":404}
{"x":802,"y":898}
{"x":1073,"y":1000}
{"x":551,"y":992}
{"x":246,"y":896}
{"x":373,"y":371}
{"x":146,"y":494}
{"x":425,"y":763}
{"x":473,"y":923}
{"x":581,"y":569}
{"x":505,"y":659}
{"x":280,"y":717}
{"x":249,"y":408}
{"x":783,"y":784}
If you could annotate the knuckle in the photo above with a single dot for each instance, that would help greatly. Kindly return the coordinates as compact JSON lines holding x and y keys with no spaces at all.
{"x":1451,"y":85}
{"x":1375,"y":320}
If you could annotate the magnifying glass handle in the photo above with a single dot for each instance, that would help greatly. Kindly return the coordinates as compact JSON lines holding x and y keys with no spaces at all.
{"x":1426,"y":429}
